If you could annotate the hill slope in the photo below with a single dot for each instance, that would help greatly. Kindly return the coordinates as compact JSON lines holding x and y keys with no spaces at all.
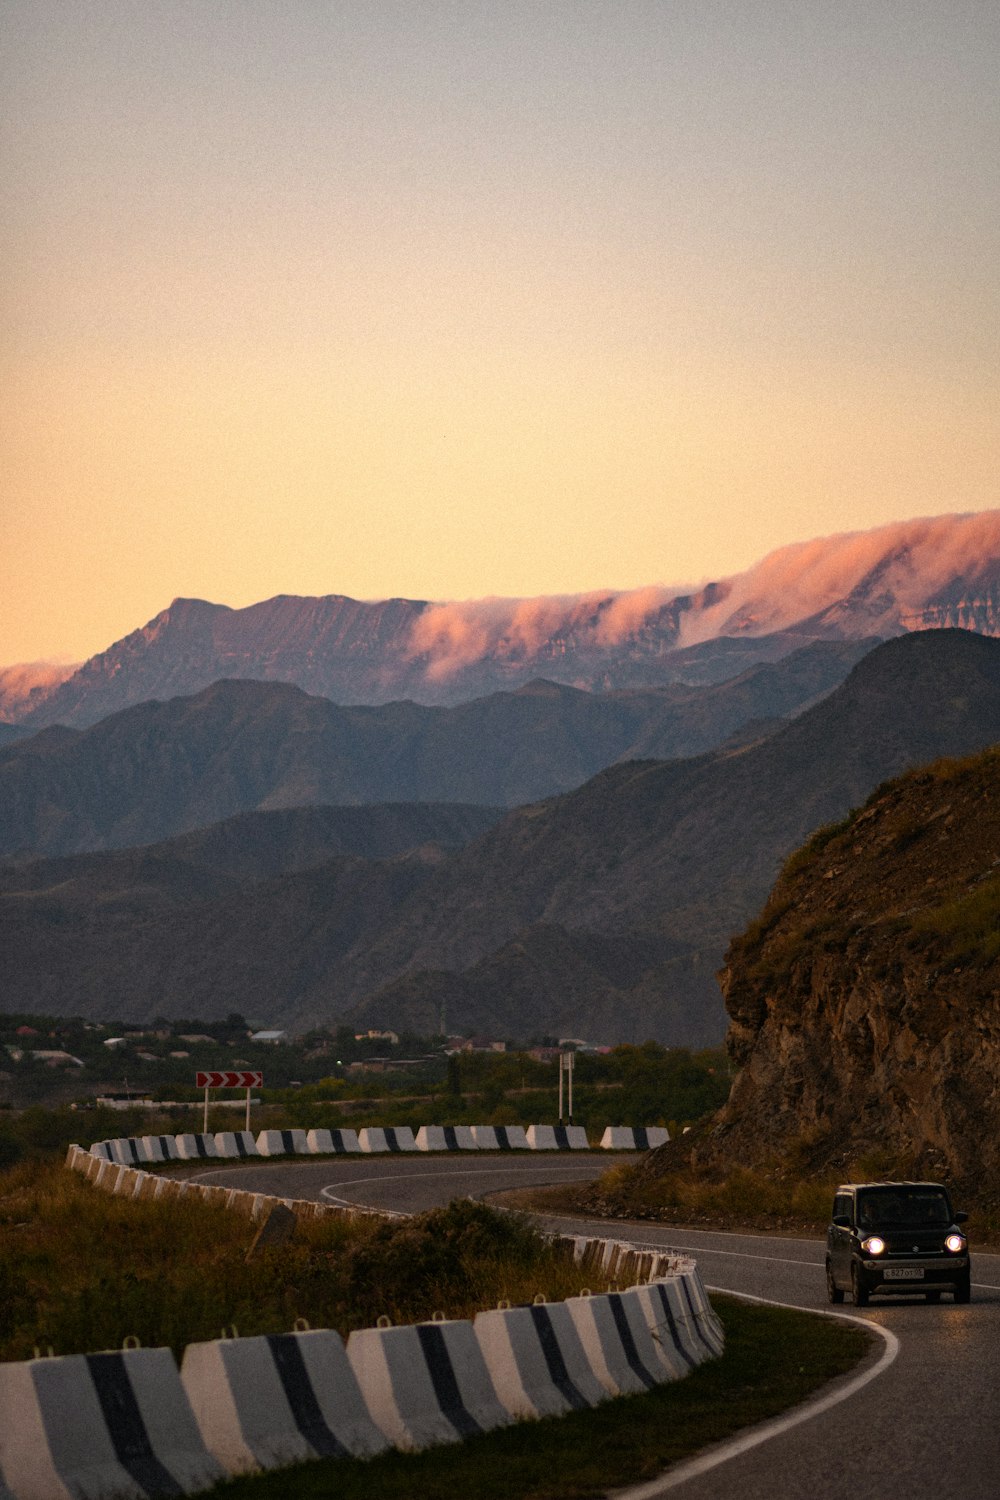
{"x":865,"y":1000}
{"x":609,"y":907}
{"x":158,"y":769}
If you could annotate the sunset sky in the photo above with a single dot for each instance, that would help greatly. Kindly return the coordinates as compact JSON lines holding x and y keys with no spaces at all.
{"x":453,"y":298}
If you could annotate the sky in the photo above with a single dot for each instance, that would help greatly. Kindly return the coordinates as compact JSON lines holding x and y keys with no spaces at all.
{"x":458,"y":298}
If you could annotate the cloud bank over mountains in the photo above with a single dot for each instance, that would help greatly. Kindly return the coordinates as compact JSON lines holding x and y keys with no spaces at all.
{"x":935,"y":572}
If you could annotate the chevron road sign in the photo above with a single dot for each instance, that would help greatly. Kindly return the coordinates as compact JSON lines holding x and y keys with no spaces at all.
{"x":246,"y":1081}
{"x":229,"y":1080}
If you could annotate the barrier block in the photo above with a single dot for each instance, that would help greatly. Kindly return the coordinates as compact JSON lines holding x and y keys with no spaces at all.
{"x":446,"y":1138}
{"x":332,"y":1142}
{"x":386,"y":1138}
{"x":671,"y":1347}
{"x":196,"y":1147}
{"x":634,"y":1137}
{"x":557,"y":1138}
{"x":500,"y":1137}
{"x":425,"y":1384}
{"x":89,"y":1425}
{"x":700,"y":1339}
{"x":282,"y":1143}
{"x":235,"y":1143}
{"x":125,"y":1150}
{"x":160,"y":1147}
{"x":101,"y":1149}
{"x":268,"y":1401}
{"x":616,"y":1337}
{"x":536,"y":1361}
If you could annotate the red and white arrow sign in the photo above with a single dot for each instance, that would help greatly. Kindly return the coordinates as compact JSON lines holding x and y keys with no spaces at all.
{"x":229,"y":1080}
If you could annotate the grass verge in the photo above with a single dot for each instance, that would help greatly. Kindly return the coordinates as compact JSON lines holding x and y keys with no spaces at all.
{"x":80,"y":1270}
{"x":774,"y":1359}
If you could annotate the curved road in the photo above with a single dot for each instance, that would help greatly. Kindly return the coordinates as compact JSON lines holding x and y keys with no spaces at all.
{"x":927,"y":1427}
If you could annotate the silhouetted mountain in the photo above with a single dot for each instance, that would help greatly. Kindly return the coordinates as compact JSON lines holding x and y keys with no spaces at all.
{"x":941,"y":572}
{"x":609,"y":906}
{"x":160,"y":768}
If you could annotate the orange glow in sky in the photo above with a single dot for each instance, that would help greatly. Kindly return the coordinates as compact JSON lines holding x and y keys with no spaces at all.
{"x":456,"y":298}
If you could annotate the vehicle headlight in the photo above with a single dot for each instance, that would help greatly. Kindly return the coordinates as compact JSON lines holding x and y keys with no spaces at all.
{"x":873,"y":1245}
{"x":955,"y":1243}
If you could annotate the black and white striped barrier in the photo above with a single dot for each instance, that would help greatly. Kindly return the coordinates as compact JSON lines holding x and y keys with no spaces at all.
{"x":332,"y":1142}
{"x":446,"y":1138}
{"x":618,"y":1343}
{"x":634,"y":1137}
{"x":376,"y":1138}
{"x":536,"y":1360}
{"x":557,"y":1138}
{"x":282,"y":1143}
{"x":265,"y":1402}
{"x":89,"y":1425}
{"x":500,"y":1137}
{"x":235,"y":1144}
{"x":425,"y":1384}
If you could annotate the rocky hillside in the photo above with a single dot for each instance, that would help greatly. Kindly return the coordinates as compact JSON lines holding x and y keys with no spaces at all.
{"x":158,"y":769}
{"x":603,"y":913}
{"x":865,"y":999}
{"x":939,"y":572}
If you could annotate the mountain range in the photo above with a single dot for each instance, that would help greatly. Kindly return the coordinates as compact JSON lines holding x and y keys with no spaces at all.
{"x":158,"y":769}
{"x":913,"y":575}
{"x":604,"y":911}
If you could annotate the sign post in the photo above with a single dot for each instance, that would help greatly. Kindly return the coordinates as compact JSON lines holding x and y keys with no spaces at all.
{"x":246,"y":1081}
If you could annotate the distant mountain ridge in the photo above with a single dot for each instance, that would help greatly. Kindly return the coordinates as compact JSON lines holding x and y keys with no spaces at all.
{"x":604,"y":912}
{"x":161,"y":768}
{"x":940,"y":572}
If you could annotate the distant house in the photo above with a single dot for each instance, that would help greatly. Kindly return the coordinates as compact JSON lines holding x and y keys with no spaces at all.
{"x":272,"y":1037}
{"x":377,"y":1036}
{"x":116,"y":1041}
{"x":55,"y":1059}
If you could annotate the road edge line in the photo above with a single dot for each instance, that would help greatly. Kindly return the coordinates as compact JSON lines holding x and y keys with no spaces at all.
{"x":693,"y":1468}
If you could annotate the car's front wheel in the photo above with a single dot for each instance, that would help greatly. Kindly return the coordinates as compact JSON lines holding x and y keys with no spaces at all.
{"x":833,"y":1291}
{"x":963,"y":1289}
{"x":859,"y":1286}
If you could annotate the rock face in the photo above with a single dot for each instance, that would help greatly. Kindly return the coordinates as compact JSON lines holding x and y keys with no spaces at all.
{"x":865,"y":1000}
{"x":914,"y":575}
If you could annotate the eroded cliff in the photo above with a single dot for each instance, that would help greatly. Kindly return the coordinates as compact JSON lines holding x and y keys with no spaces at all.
{"x":865,"y":1000}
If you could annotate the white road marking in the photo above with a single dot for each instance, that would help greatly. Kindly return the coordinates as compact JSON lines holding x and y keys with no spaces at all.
{"x":693,"y":1468}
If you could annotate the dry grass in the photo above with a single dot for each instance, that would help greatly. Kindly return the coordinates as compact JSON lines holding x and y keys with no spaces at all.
{"x":80,"y":1271}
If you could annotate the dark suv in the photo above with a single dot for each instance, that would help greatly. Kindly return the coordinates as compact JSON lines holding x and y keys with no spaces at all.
{"x":892,"y":1237}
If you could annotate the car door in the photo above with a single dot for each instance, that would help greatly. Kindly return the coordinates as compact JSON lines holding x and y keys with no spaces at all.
{"x":840,"y":1239}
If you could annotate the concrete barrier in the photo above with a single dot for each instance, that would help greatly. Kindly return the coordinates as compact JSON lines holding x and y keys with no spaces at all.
{"x":446,"y":1138}
{"x":618,"y":1342}
{"x":386,"y":1138}
{"x":235,"y":1143}
{"x":89,"y":1425}
{"x":159,"y":1147}
{"x":536,"y":1360}
{"x":282,"y":1143}
{"x":557,"y":1138}
{"x":672,"y":1347}
{"x":268,"y":1401}
{"x":425,"y":1384}
{"x":126,"y":1151}
{"x":332,"y":1142}
{"x":196,"y":1147}
{"x":500,"y":1137}
{"x":634,"y":1137}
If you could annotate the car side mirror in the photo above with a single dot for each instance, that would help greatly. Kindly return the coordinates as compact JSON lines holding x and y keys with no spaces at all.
{"x":961,"y":1216}
{"x":843,"y":1221}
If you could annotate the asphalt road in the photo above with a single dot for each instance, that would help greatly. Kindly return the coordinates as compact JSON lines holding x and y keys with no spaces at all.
{"x":926,"y":1427}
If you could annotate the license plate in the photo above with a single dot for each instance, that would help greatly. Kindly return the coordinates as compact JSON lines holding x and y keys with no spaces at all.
{"x":903,"y":1273}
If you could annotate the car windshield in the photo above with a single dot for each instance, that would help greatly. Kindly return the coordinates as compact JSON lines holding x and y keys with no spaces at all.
{"x":881,"y":1207}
